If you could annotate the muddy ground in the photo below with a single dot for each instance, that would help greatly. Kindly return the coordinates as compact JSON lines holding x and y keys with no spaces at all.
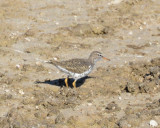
{"x":122,"y":93}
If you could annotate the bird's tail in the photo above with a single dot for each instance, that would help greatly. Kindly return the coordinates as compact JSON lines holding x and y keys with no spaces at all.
{"x":51,"y":62}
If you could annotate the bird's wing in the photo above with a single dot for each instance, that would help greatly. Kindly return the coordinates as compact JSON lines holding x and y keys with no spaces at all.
{"x":75,"y":65}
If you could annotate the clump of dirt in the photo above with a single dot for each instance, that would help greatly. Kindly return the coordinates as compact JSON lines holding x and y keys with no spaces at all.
{"x":146,"y":75}
{"x":130,"y":121}
{"x":153,"y":105}
{"x":70,"y":97}
{"x":112,"y":107}
{"x":7,"y":41}
{"x":109,"y":123}
{"x":81,"y":30}
{"x":85,"y":30}
{"x":30,"y":33}
{"x":134,"y":118}
{"x":136,"y":77}
{"x":59,"y":119}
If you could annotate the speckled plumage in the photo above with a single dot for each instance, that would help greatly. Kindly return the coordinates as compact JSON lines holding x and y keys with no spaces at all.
{"x":78,"y":68}
{"x":73,"y":65}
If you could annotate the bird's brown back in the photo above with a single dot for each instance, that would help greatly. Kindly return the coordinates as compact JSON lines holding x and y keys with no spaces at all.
{"x":74,"y":65}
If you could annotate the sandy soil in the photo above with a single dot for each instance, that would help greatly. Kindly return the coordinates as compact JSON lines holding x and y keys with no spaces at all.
{"x":122,"y":93}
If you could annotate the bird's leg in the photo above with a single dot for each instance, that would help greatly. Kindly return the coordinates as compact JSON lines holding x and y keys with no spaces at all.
{"x":66,"y":81}
{"x":74,"y":83}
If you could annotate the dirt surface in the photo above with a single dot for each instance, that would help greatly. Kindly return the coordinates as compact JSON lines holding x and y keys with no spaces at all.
{"x":122,"y":93}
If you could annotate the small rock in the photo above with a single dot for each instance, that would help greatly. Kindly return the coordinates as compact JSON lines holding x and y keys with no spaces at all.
{"x":89,"y":104}
{"x":21,"y":92}
{"x":144,"y":23}
{"x":112,"y":107}
{"x":156,"y":112}
{"x":130,"y":121}
{"x":97,"y":29}
{"x":133,"y":88}
{"x":38,"y":63}
{"x":150,"y":43}
{"x":130,"y":33}
{"x":116,"y":1}
{"x":18,"y":66}
{"x":6,"y":90}
{"x":120,"y":98}
{"x":1,"y":74}
{"x":155,"y":70}
{"x":27,"y":39}
{"x":75,"y":18}
{"x":37,"y":107}
{"x":57,"y":23}
{"x":59,"y":119}
{"x":29,"y":32}
{"x":81,"y":30}
{"x":55,"y":58}
{"x":153,"y":123}
{"x":140,"y":27}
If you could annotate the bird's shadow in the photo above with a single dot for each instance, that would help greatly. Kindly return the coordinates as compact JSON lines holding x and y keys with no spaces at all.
{"x":61,"y":82}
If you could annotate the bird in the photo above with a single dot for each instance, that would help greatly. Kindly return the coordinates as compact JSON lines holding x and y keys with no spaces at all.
{"x":78,"y":68}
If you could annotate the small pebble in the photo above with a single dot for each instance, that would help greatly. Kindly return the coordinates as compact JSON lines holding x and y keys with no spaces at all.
{"x":114,"y":66}
{"x":19,"y":51}
{"x":144,"y":23}
{"x":55,"y":58}
{"x":116,"y":1}
{"x":141,"y":28}
{"x":57,"y":23}
{"x":37,"y":107}
{"x":18,"y":66}
{"x":75,"y":18}
{"x":129,"y":125}
{"x":27,"y":39}
{"x":38,"y":63}
{"x":6,"y":90}
{"x":21,"y":92}
{"x":150,"y":43}
{"x":153,"y":123}
{"x":120,"y":98}
{"x":130,"y":33}
{"x":140,"y":56}
{"x":89,"y":104}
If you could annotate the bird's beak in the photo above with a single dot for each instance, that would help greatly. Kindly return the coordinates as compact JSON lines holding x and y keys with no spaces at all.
{"x":105,"y":58}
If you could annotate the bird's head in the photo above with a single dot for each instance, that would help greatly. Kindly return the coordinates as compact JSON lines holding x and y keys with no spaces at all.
{"x":96,"y":56}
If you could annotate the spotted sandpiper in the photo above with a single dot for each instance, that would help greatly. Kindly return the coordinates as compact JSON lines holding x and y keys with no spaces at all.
{"x":78,"y":68}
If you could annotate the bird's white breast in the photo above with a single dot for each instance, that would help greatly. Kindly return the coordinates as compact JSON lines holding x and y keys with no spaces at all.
{"x":76,"y":75}
{"x":80,"y":75}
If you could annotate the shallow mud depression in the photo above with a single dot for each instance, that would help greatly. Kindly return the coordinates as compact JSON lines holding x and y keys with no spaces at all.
{"x":121,"y":93}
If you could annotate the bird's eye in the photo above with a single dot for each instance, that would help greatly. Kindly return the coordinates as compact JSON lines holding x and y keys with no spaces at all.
{"x":99,"y":55}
